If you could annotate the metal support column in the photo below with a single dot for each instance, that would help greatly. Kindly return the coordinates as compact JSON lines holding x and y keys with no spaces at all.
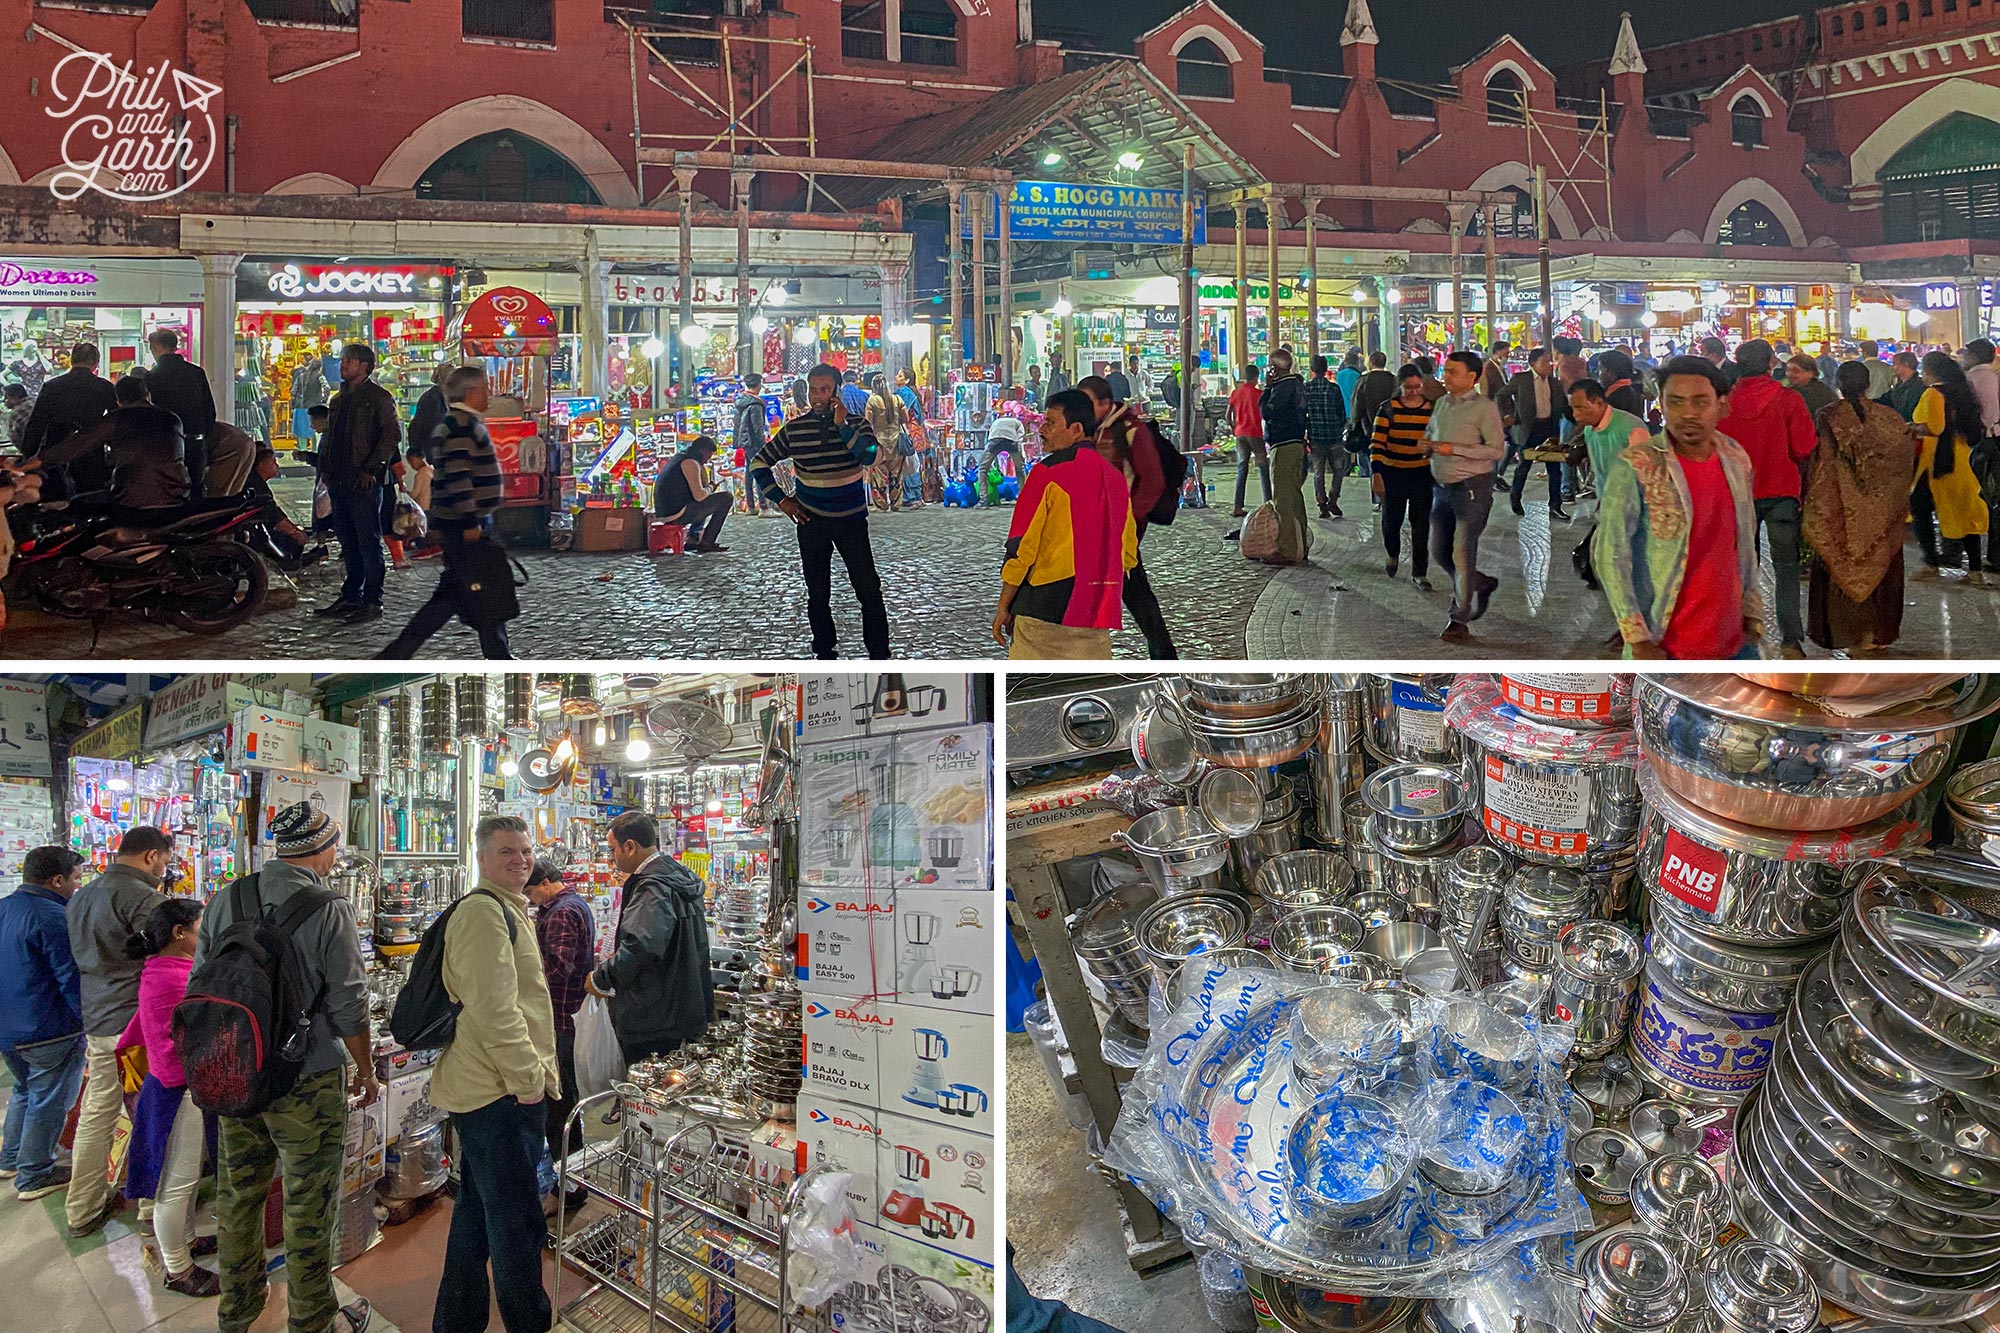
{"x":956,"y":262}
{"x":1456,"y":309}
{"x":1274,"y":220}
{"x":1190,"y":395}
{"x":979,"y":198}
{"x":1542,"y":258}
{"x":1385,"y":315}
{"x":1492,"y":278}
{"x":895,"y":313}
{"x":592,"y":324}
{"x":746,"y":343}
{"x":684,"y":272}
{"x":1239,"y":337}
{"x":218,"y":332}
{"x":1971,"y":318}
{"x":1312,"y":281}
{"x":1002,"y":200}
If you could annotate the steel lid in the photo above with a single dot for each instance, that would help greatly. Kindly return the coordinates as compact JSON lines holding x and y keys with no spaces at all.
{"x":1601,"y":951}
{"x":1967,"y":699}
{"x":1479,"y":711}
{"x":1549,"y":892}
{"x":1679,"y":1195}
{"x":1476,"y":868}
{"x":1231,"y":800}
{"x":1608,"y":1158}
{"x":1162,"y":746}
{"x":1611,"y":1086}
{"x":1755,"y":1285}
{"x":1634,"y":1279}
{"x":1903,"y":827}
{"x":1662,"y":1128}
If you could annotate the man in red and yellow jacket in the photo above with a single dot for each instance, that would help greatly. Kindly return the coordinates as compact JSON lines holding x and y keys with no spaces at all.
{"x":1070,"y":543}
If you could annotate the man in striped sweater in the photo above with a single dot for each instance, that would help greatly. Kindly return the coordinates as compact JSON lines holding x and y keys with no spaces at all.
{"x":464,"y":494}
{"x":829,"y":447}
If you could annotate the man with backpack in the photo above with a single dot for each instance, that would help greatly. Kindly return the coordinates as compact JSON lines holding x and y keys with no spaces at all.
{"x":286,"y":913}
{"x":1131,"y":443}
{"x":101,"y":916}
{"x":492,"y":1079}
{"x":657,"y":976}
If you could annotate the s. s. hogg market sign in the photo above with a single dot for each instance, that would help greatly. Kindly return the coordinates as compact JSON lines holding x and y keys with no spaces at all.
{"x":1055,"y":211}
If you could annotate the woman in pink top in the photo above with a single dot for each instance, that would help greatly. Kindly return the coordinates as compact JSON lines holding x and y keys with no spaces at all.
{"x":169,"y":1132}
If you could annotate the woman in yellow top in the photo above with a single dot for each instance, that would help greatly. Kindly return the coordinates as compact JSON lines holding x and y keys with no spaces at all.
{"x":1947,"y":416}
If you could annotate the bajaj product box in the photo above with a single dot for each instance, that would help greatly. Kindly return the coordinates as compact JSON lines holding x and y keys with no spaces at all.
{"x":842,"y":1056}
{"x":936,"y":1183}
{"x":832,"y":706}
{"x":847,"y":943}
{"x":936,"y":831}
{"x":837,"y":784}
{"x":944,"y":949}
{"x":843,"y":1136}
{"x":936,"y":1064}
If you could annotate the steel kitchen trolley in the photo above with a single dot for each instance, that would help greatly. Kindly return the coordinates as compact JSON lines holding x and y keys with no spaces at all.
{"x":698,"y":1237}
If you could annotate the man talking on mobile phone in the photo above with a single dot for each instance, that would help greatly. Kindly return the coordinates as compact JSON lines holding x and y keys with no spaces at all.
{"x":830,"y":448}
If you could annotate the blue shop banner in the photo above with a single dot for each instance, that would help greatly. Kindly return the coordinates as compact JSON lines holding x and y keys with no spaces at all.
{"x":1100,"y":214}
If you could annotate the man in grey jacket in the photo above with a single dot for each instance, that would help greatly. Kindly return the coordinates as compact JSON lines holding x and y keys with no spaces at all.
{"x":1466,"y":440}
{"x":102,"y":915}
{"x":301,"y":1133}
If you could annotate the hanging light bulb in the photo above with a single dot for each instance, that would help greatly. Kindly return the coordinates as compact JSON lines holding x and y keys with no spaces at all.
{"x":759,"y":325}
{"x":652,"y":349}
{"x":599,"y":736}
{"x":693,"y":335}
{"x":714,"y":806}
{"x":510,"y":768}
{"x":805,"y":335}
{"x":1062,"y":308}
{"x":638,"y":749}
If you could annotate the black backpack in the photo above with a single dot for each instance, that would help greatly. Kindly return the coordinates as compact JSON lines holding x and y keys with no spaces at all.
{"x":1174,"y":467}
{"x":245,"y":1025}
{"x":426,"y":1017}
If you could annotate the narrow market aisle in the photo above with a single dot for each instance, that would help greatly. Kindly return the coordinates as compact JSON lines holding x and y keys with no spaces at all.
{"x":1063,"y":1221}
{"x":399,"y":1276}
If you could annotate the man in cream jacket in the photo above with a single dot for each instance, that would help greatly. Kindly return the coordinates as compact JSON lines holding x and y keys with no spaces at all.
{"x":491,"y":1080}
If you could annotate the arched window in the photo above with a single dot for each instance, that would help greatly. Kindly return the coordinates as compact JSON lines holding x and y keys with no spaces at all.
{"x":862,"y":36}
{"x":505,"y":167}
{"x":1753,"y":224}
{"x":1881,"y":16}
{"x":1512,"y":221}
{"x":1201,"y":70}
{"x":1506,"y":99}
{"x":1838,"y":26}
{"x":1756,"y":41}
{"x":930,"y":32}
{"x":1746,"y":122}
{"x":1902,"y":11}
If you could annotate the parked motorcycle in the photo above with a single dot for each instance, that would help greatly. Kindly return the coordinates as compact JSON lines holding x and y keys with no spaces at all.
{"x":193,"y":571}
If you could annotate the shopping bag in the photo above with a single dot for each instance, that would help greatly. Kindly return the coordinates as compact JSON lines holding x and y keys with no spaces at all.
{"x":1259,"y":538}
{"x":599,"y":1061}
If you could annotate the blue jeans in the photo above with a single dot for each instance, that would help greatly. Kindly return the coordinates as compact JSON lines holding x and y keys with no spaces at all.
{"x":47,"y":1076}
{"x":357,"y":526}
{"x":498,"y":1218}
{"x":1027,"y":1313}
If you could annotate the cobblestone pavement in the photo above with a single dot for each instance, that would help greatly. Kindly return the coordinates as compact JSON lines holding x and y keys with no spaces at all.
{"x":940,"y":572}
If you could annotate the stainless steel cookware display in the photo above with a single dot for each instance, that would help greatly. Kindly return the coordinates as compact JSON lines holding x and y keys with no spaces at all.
{"x":1337,"y":763}
{"x":1174,"y":845}
{"x":1539,"y":903}
{"x":1311,"y":939}
{"x":1416,"y":807}
{"x":1254,"y":740}
{"x":1570,"y":699}
{"x":1418,"y":878}
{"x":1631,"y":1284}
{"x":1596,"y":981}
{"x":1305,"y":879}
{"x":1775,"y":760}
{"x":1185,"y":925}
{"x":1972,"y":798}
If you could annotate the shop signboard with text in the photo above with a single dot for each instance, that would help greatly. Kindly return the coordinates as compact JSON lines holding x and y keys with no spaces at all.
{"x":204,"y":702}
{"x":1114,"y":214}
{"x":1944,"y":295}
{"x":100,"y":282}
{"x":261,"y":737}
{"x":24,"y":730}
{"x":379,"y":284}
{"x":116,"y":737}
{"x":1222,"y":291}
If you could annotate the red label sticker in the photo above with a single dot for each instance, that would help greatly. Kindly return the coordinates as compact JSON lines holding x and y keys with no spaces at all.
{"x":1692,"y":872}
{"x":1531,"y":696}
{"x":1551,"y":842}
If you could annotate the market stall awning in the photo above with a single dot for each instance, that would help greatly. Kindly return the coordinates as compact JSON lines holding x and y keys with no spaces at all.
{"x":1090,"y":118}
{"x":506,"y":321}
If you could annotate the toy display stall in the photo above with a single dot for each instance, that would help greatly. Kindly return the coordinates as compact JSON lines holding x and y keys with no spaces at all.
{"x":515,"y":333}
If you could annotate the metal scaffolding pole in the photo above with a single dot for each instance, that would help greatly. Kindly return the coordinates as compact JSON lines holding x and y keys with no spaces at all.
{"x":1001,"y":201}
{"x":1492,"y":277}
{"x":1190,"y":399}
{"x":957,"y":265}
{"x":1312,"y":282}
{"x":979,"y":198}
{"x":1385,"y":315}
{"x":1273,"y":219}
{"x":1239,"y":346}
{"x":684,"y":270}
{"x":746,"y":351}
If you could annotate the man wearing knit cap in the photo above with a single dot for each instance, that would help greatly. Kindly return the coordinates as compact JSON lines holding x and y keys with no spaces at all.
{"x":300,"y":1134}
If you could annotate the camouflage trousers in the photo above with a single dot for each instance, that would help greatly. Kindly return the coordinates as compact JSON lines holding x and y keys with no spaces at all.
{"x":301,"y":1135}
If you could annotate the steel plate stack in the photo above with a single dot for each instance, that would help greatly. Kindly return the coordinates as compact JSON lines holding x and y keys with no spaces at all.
{"x":1872,"y":1151}
{"x":440,"y":720}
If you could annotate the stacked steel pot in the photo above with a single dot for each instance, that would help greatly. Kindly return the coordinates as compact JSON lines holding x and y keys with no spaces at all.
{"x":1762,"y":806}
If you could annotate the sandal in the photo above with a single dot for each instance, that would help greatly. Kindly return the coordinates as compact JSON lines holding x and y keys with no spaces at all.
{"x":197,"y":1281}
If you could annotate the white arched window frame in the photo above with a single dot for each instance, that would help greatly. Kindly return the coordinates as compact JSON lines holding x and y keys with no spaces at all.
{"x":1223,"y":47}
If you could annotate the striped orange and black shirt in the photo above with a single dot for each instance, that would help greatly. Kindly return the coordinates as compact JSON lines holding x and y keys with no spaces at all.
{"x":1399,"y":436}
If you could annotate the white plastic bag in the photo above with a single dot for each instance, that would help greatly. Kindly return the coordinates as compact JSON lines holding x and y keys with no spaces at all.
{"x":599,"y":1062}
{"x":825,"y":1255}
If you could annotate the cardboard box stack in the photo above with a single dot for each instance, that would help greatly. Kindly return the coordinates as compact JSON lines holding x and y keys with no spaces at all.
{"x":897,"y":927}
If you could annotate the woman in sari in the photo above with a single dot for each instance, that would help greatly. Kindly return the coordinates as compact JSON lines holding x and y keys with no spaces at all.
{"x":1856,"y":498}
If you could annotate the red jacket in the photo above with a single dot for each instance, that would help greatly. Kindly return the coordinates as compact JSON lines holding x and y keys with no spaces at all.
{"x":1774,"y":427}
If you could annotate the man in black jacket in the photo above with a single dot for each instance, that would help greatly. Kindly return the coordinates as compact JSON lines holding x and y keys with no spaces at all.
{"x":74,"y":400}
{"x":657,"y":976}
{"x":1372,"y":393}
{"x":1531,"y":408}
{"x":355,"y":455}
{"x":181,"y":387}
{"x":146,"y":450}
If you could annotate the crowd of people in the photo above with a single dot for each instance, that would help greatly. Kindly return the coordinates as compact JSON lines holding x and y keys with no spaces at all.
{"x":1696,"y":462}
{"x":91,"y":975}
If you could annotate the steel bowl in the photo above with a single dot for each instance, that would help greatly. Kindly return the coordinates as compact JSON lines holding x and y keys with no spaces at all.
{"x":1174,"y":844}
{"x":1305,"y":879}
{"x":1774,"y":760}
{"x":1376,"y":909}
{"x":1307,"y":939}
{"x":1972,"y":798}
{"x":1347,"y":1161}
{"x":1418,"y":878}
{"x":1186,"y":925}
{"x":1400,"y":941}
{"x":1477,"y":1041}
{"x":1242,"y":694}
{"x":1252,"y":742}
{"x":1416,"y":807}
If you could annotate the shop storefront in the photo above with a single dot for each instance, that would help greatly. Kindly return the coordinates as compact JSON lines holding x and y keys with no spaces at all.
{"x":1450,"y":1001}
{"x":294,"y":316}
{"x":842,"y":829}
{"x":1946,"y":315}
{"x":49,"y":306}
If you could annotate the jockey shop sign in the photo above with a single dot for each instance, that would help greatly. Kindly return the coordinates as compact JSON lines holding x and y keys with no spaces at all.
{"x":382,"y":284}
{"x":132,"y":136}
